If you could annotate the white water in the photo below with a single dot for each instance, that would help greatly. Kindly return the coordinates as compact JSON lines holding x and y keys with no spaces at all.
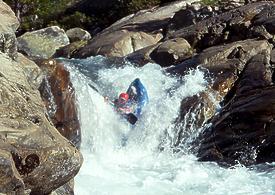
{"x":139,"y":168}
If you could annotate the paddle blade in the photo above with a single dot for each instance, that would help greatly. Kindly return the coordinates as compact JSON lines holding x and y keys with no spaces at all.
{"x":131,"y":118}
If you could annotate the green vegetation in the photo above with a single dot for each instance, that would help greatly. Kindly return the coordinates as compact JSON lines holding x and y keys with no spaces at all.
{"x":210,"y":2}
{"x":37,"y":14}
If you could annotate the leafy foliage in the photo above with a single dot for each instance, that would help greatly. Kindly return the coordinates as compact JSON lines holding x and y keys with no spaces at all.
{"x":36,"y":14}
{"x":210,"y":2}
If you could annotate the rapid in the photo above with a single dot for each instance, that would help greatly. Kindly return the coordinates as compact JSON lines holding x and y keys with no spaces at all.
{"x":140,"y":167}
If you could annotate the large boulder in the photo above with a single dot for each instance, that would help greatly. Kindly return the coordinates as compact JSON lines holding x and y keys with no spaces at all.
{"x":42,"y":43}
{"x":243,"y":132}
{"x":117,"y":43}
{"x":266,"y":18}
{"x":223,"y":63}
{"x":78,"y":34}
{"x":171,"y":52}
{"x":34,"y":155}
{"x":227,"y":27}
{"x":8,"y":26}
{"x":131,"y":33}
{"x":59,"y":96}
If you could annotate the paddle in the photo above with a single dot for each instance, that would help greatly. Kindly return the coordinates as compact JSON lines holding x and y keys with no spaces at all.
{"x":131,"y":118}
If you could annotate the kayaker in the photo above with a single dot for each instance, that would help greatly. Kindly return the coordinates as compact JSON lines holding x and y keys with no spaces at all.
{"x":123,"y":105}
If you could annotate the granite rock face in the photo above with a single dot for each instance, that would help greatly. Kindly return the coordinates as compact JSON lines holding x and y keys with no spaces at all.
{"x":36,"y":155}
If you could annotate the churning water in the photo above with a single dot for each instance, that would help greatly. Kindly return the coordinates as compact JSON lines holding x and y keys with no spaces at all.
{"x":140,"y":168}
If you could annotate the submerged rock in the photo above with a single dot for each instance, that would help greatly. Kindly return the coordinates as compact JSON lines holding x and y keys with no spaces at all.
{"x":42,"y":43}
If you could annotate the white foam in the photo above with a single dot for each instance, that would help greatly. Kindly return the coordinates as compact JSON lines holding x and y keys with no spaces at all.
{"x":139,"y":168}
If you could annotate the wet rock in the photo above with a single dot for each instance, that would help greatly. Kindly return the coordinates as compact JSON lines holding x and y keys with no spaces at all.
{"x":69,"y":50}
{"x":142,"y":56}
{"x":78,"y":34}
{"x":224,"y":63}
{"x":171,"y":52}
{"x":9,"y":25}
{"x":59,"y":96}
{"x":42,"y":43}
{"x":227,"y":27}
{"x":131,"y":33}
{"x":194,"y":113}
{"x":44,"y":159}
{"x":243,"y":132}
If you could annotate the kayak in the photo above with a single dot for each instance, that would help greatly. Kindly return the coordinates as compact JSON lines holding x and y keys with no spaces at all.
{"x":138,"y":96}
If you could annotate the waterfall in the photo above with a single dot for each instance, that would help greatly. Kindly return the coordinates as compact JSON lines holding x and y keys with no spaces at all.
{"x":139,"y":167}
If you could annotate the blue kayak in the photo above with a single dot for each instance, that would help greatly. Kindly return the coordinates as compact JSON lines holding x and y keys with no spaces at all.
{"x":138,"y":96}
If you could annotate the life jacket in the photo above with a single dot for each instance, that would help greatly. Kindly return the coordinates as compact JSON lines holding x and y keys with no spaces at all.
{"x":125,"y":108}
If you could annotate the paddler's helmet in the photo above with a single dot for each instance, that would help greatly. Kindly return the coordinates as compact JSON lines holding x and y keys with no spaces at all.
{"x":124,"y":97}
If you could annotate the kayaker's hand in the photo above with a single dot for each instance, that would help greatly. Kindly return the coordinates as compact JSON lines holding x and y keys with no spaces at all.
{"x":106,"y":99}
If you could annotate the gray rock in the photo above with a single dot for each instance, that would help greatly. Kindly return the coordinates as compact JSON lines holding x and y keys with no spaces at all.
{"x":78,"y":34}
{"x":9,"y":25}
{"x":117,"y":43}
{"x":243,"y":131}
{"x":266,"y":18}
{"x":131,"y":33}
{"x":172,"y":52}
{"x":35,"y":155}
{"x":224,"y":63}
{"x":42,"y":43}
{"x":227,"y":27}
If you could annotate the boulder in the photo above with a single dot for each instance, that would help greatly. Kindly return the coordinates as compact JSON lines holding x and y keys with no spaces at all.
{"x":193,"y":14}
{"x":131,"y":33}
{"x":142,"y":56}
{"x":9,"y":25}
{"x":266,"y":18}
{"x":78,"y":34}
{"x":34,"y":154}
{"x":227,"y":27}
{"x":59,"y":96}
{"x":243,"y":132}
{"x":224,"y":63}
{"x":194,"y":113}
{"x":69,"y":50}
{"x":171,"y":52}
{"x":42,"y":43}
{"x":117,"y":44}
{"x":32,"y":71}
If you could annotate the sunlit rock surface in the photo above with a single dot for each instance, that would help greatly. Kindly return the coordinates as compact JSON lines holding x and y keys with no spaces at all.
{"x":78,"y":34}
{"x":42,"y":43}
{"x":131,"y":33}
{"x":9,"y":24}
{"x":43,"y":158}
